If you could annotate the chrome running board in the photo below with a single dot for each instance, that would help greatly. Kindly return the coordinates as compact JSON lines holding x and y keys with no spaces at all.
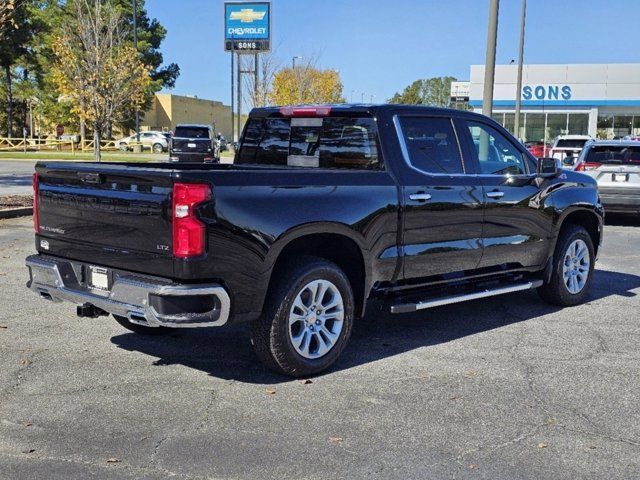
{"x":437,"y":302}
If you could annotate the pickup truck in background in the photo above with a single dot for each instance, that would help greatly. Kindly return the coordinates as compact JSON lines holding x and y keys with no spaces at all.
{"x":194,"y":143}
{"x":324,"y":208}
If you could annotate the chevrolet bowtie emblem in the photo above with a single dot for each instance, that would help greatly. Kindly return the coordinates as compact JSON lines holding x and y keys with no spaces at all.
{"x":247,"y":15}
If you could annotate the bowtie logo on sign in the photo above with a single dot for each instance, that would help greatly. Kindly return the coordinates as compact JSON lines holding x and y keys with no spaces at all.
{"x":247,"y":27}
{"x":546,"y":92}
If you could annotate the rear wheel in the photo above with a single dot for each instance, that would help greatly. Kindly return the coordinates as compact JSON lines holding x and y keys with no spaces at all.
{"x":157,"y":148}
{"x":307,"y":320}
{"x":573,"y":263}
{"x":123,"y":147}
{"x":141,"y":329}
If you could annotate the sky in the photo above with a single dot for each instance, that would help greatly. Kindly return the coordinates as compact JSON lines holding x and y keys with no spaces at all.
{"x":381,"y":46}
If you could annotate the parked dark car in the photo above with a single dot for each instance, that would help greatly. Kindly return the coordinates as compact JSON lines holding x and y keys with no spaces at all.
{"x":194,"y":143}
{"x":325,"y":208}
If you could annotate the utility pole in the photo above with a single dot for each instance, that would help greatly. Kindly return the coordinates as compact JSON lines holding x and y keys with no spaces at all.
{"x":296,"y":73}
{"x":135,"y":46}
{"x":516,"y":123}
{"x":490,"y":61}
{"x":257,"y":102}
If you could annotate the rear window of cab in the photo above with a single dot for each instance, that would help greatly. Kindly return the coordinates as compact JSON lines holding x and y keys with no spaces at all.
{"x":314,"y":142}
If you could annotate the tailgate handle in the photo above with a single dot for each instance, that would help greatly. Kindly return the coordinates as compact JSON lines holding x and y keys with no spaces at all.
{"x":93,"y":178}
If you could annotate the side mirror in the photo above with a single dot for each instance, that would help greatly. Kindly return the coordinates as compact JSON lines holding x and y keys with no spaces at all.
{"x":549,"y":167}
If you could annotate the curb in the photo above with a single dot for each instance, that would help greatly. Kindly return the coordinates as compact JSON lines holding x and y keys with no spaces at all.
{"x":16,"y":212}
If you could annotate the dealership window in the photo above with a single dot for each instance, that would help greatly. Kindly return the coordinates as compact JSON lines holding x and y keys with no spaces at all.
{"x":509,"y":123}
{"x":622,"y":125}
{"x":636,"y":125}
{"x":556,"y":125}
{"x":578,"y":123}
{"x":535,"y":127}
{"x":605,"y":126}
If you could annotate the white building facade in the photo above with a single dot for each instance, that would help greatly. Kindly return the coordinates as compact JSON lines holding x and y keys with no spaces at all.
{"x":601,"y":100}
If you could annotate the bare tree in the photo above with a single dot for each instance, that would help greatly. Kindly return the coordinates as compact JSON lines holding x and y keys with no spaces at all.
{"x":257,"y":95}
{"x":96,"y":68}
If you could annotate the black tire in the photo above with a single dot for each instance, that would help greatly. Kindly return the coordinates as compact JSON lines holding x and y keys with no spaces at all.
{"x":141,"y":329}
{"x":157,"y":148}
{"x":270,"y":334}
{"x":123,"y":147}
{"x":556,"y":291}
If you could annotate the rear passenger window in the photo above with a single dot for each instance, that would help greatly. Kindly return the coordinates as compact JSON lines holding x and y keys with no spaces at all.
{"x":431,"y":144}
{"x":328,"y":142}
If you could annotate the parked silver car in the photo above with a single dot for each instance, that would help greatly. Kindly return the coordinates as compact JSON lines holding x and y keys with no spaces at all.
{"x":615,"y":165}
{"x":155,"y":141}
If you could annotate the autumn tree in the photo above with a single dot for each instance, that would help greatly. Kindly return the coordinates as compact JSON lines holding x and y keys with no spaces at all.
{"x":434,"y":91}
{"x":96,"y":68}
{"x":305,"y":85}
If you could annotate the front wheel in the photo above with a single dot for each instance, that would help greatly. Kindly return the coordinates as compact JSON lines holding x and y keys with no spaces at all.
{"x":573,"y":262}
{"x":157,"y":148}
{"x":307,"y":320}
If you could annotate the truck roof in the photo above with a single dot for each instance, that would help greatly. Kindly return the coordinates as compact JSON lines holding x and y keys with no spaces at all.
{"x":352,"y":109}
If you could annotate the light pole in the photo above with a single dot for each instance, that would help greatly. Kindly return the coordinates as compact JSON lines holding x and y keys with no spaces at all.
{"x":297,"y":74}
{"x":351,"y":96}
{"x":516,"y":123}
{"x":371,"y":98}
{"x":362,"y":97}
{"x":490,"y":61}
{"x":135,"y":46}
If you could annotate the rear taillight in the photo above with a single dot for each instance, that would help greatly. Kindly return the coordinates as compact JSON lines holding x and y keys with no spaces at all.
{"x":585,"y":166}
{"x":36,"y":191}
{"x":188,"y":231}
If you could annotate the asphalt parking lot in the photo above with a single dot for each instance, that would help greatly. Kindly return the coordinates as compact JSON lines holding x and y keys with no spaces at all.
{"x":498,"y":389}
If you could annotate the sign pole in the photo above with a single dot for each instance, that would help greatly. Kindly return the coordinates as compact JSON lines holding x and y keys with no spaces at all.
{"x":516,"y":123}
{"x":232,"y":105}
{"x":239,"y":85}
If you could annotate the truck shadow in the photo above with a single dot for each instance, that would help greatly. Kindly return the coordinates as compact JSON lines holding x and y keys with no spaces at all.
{"x":226,"y":352}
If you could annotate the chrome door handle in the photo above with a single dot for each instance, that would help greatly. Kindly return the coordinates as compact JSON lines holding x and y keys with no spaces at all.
{"x":495,"y":194}
{"x":420,"y":196}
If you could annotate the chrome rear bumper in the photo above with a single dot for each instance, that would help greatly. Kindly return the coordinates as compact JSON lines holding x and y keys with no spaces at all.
{"x":145,"y":300}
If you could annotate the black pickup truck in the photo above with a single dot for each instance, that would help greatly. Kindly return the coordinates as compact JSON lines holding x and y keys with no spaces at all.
{"x":324,"y":208}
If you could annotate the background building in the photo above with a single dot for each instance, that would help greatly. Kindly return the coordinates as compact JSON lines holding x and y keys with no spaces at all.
{"x":601,"y":100}
{"x":168,"y":110}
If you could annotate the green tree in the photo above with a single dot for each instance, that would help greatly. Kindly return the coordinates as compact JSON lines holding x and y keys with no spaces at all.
{"x":434,"y":91}
{"x":17,"y":29}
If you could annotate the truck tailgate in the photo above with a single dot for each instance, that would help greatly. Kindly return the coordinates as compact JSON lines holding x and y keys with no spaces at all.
{"x":88,"y":211}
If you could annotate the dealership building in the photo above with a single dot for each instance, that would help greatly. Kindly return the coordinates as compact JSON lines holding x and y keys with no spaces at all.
{"x":601,"y":100}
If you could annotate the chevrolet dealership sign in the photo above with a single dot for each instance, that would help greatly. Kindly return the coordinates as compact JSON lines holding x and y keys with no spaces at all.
{"x":247,"y":26}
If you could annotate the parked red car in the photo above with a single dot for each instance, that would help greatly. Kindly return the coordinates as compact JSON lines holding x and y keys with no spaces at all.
{"x":538,"y":149}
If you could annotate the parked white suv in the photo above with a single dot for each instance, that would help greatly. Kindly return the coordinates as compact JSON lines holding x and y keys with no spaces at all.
{"x":155,"y":141}
{"x":567,"y":148}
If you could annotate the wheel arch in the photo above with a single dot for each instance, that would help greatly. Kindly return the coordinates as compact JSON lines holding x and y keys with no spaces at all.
{"x":334,"y":242}
{"x":584,"y":217}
